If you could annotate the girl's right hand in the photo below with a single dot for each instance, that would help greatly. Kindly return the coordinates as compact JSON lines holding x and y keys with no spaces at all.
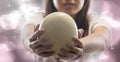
{"x":40,"y":45}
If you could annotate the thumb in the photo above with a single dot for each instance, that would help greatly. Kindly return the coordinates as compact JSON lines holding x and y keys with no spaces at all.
{"x":80,"y":33}
{"x":36,"y":27}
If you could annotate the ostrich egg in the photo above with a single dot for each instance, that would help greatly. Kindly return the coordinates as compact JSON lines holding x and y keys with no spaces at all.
{"x":59,"y":29}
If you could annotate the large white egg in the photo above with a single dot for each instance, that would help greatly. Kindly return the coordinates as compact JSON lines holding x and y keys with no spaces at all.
{"x":59,"y":28}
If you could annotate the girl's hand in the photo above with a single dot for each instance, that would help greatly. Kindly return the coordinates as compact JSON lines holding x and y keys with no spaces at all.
{"x":39,"y":44}
{"x":73,"y":52}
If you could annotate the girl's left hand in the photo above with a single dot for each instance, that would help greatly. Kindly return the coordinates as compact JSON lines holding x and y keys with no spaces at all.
{"x":74,"y":52}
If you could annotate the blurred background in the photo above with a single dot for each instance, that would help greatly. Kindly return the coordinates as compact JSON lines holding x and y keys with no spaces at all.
{"x":14,"y":14}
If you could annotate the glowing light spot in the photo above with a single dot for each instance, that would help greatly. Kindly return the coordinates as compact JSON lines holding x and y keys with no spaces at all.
{"x":9,"y":5}
{"x":113,"y":23}
{"x":4,"y":47}
{"x":103,"y":56}
{"x":5,"y":54}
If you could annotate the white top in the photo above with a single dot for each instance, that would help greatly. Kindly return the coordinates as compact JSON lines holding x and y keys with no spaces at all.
{"x":96,"y":21}
{"x":92,"y":57}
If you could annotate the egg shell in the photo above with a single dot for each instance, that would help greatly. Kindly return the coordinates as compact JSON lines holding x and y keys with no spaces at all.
{"x":59,"y":29}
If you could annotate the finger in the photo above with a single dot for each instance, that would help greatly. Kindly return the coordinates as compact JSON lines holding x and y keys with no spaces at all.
{"x":67,"y":52}
{"x":80,"y":33}
{"x":35,"y":35}
{"x":72,"y":49}
{"x":45,"y":54}
{"x":80,"y":51}
{"x":35,"y":43}
{"x":43,"y":49}
{"x":36,"y":27}
{"x":75,"y":50}
{"x":40,"y":43}
{"x":62,"y":56}
{"x":77,"y":42}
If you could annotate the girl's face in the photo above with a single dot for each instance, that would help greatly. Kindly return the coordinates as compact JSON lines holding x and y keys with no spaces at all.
{"x":72,"y":7}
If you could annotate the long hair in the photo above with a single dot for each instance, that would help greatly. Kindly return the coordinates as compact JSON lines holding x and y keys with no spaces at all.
{"x":81,"y":18}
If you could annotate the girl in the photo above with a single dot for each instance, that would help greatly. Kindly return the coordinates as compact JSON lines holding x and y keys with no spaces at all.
{"x":88,"y":44}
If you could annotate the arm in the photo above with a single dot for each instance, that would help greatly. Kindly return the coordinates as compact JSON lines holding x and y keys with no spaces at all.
{"x":93,"y":43}
{"x":96,"y":41}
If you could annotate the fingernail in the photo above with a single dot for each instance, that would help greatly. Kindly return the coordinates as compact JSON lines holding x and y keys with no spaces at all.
{"x":41,"y":31}
{"x":74,"y":39}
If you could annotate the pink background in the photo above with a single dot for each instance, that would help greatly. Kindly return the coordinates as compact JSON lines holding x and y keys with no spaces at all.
{"x":13,"y":15}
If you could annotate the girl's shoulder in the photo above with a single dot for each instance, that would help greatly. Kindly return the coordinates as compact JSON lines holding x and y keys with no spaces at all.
{"x":31,"y":21}
{"x":96,"y":21}
{"x":93,"y":17}
{"x":35,"y":18}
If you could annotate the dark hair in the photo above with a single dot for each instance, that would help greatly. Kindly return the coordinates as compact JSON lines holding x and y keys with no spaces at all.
{"x":81,"y":18}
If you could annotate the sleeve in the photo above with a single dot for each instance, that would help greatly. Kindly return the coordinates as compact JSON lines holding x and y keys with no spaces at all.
{"x":99,"y":21}
{"x":29,"y":28}
{"x":26,"y":33}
